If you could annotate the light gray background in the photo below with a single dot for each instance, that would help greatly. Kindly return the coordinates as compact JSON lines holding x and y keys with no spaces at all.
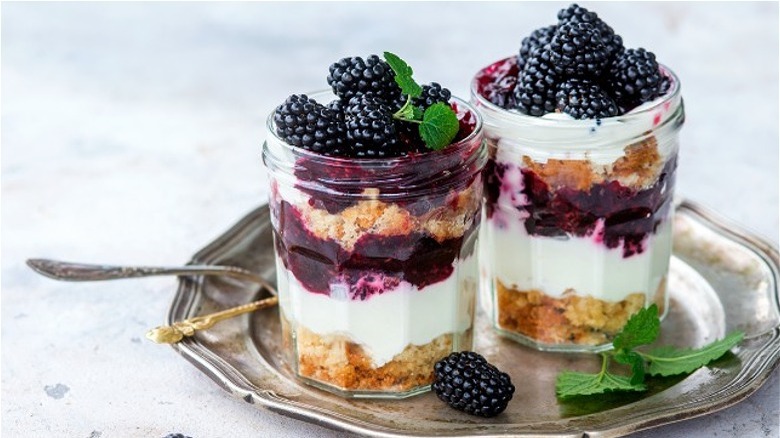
{"x":131,"y":134}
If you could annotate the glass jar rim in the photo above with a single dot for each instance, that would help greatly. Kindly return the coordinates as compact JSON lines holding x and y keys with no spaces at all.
{"x":671,"y":95}
{"x":452,"y":148}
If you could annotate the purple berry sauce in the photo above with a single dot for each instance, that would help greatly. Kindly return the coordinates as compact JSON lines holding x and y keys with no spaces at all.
{"x":496,"y":82}
{"x":629,"y":215}
{"x":375,"y":265}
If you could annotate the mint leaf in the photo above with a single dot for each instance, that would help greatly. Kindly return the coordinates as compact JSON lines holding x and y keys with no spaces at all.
{"x":641,"y":329}
{"x":669,"y":361}
{"x":439,"y":126}
{"x":403,"y":75}
{"x":570,"y":384}
{"x":417,"y":113}
{"x":635,"y":361}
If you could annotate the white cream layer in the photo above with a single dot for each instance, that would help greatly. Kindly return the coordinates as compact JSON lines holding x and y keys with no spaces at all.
{"x":559,"y":136}
{"x":553,"y":266}
{"x":385,"y":324}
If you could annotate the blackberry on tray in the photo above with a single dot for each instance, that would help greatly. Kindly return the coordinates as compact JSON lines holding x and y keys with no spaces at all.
{"x":468,"y":383}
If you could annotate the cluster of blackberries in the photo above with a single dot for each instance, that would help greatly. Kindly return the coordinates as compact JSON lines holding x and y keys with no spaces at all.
{"x":580,"y":67}
{"x":359,"y":123}
{"x":468,"y":383}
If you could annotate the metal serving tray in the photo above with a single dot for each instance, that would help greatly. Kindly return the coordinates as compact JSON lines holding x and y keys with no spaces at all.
{"x":721,"y":278}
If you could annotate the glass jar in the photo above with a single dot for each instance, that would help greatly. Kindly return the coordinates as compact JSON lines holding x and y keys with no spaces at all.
{"x":577,"y":224}
{"x":376,"y":260}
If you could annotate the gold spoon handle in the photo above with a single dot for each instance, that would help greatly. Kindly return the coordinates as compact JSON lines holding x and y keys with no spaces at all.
{"x":174,"y":333}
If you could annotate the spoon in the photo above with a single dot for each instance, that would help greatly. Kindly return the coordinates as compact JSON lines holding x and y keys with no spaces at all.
{"x":69,"y":271}
{"x":174,"y":333}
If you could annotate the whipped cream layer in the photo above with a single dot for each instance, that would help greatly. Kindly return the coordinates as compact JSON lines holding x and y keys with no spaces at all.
{"x":385,"y":324}
{"x":559,"y":136}
{"x":582,"y":264}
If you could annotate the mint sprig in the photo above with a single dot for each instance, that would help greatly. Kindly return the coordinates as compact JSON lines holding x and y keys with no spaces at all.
{"x":668,"y":361}
{"x":438,"y":124}
{"x":572,"y":383}
{"x":642,"y":328}
{"x":403,"y":75}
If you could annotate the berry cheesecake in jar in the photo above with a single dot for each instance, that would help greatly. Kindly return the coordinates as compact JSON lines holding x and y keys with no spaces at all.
{"x":582,"y":137}
{"x":376,"y":192}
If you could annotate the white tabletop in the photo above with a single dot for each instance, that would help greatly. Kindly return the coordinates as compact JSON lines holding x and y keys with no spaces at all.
{"x":131,"y":134}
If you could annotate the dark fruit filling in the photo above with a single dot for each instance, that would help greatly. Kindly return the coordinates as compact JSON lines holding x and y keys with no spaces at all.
{"x":376,"y":263}
{"x":629,"y":215}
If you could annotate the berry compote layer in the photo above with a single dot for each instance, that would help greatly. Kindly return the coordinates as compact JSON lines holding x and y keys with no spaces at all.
{"x":376,"y":261}
{"x":577,"y":225}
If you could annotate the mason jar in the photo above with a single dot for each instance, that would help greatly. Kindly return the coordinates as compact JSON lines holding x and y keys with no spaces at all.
{"x":376,"y":260}
{"x":577,"y":221}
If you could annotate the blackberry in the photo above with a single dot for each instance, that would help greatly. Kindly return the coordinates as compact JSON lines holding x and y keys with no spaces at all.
{"x":534,"y":92}
{"x":612,"y":42}
{"x":577,"y":50}
{"x":302,"y":122}
{"x":468,"y":383}
{"x":538,"y":38}
{"x":370,"y":128}
{"x":409,"y":136}
{"x":432,"y":93}
{"x":337,"y":106}
{"x":584,"y":99}
{"x":352,"y":76}
{"x":666,"y":84}
{"x":634,"y":78}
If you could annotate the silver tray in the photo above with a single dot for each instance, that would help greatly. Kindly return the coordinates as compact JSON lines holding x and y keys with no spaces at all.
{"x":721,"y":279}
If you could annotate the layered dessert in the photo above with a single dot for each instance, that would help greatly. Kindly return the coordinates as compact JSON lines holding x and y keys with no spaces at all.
{"x":375,"y":232}
{"x":582,"y":136}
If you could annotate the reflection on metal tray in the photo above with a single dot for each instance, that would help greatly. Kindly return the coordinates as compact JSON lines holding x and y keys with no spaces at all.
{"x":721,"y":279}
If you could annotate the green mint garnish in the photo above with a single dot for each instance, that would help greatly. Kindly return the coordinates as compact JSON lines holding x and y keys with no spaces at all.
{"x":668,"y":361}
{"x":403,"y":75}
{"x":407,"y":112}
{"x":570,"y":383}
{"x":641,"y":329}
{"x":417,"y":113}
{"x":438,"y":124}
{"x":636,"y":362}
